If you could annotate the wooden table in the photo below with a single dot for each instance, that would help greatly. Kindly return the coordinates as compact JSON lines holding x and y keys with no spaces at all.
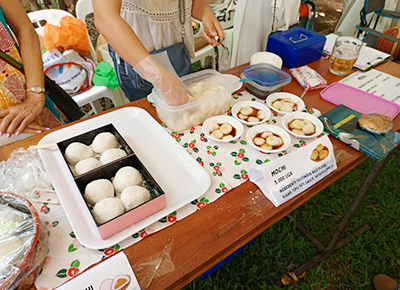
{"x":233,"y":210}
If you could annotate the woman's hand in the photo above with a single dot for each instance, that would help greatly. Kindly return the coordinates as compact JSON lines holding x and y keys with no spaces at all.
{"x":212,"y":28}
{"x":17,"y":118}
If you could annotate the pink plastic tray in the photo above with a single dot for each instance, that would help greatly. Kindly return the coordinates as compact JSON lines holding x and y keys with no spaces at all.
{"x":358,"y":100}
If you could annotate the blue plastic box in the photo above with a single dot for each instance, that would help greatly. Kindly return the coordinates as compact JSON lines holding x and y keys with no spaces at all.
{"x":296,"y":46}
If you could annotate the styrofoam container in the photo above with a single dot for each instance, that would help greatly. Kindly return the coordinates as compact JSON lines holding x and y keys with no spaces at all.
{"x":275,"y":130}
{"x":238,"y":127}
{"x":262,"y":79}
{"x":266,"y":57}
{"x":319,"y":127}
{"x":183,"y":117}
{"x":256,"y":105}
{"x":283,"y":95}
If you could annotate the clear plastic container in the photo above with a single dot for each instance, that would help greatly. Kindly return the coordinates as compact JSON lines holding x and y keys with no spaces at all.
{"x":183,"y":117}
{"x":263,"y":79}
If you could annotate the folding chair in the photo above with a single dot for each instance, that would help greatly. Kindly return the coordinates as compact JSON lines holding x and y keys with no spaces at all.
{"x":95,"y":93}
{"x":370,"y":14}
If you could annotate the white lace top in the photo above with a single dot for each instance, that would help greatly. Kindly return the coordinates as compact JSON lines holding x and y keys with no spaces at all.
{"x":156,"y":22}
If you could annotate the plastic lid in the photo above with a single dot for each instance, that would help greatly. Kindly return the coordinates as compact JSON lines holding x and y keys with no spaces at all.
{"x":266,"y":75}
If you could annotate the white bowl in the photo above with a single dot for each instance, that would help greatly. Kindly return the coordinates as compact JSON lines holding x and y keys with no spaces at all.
{"x":319,"y":127}
{"x":236,"y":109}
{"x":266,"y":57}
{"x":220,"y":120}
{"x":274,"y":129}
{"x":282,"y":95}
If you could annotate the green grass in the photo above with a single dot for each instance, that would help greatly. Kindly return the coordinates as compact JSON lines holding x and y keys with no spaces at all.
{"x":281,"y":248}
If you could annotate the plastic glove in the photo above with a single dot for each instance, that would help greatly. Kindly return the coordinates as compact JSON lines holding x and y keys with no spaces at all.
{"x":172,"y":89}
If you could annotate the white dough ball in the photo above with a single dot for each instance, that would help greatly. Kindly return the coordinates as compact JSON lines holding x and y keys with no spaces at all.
{"x":309,"y":128}
{"x":226,"y":128}
{"x":217,"y":134}
{"x":97,"y":190}
{"x":111,"y":154}
{"x":265,"y":146}
{"x":86,"y":165}
{"x":127,"y":176}
{"x":277,"y":105}
{"x":298,"y":132}
{"x":266,"y":134}
{"x":274,"y":141}
{"x":107,"y":209}
{"x":261,"y":115}
{"x":259,"y":141}
{"x":213,"y":126}
{"x":104,"y":141}
{"x":298,"y":124}
{"x":286,"y":108}
{"x":253,"y":119}
{"x":227,"y":137}
{"x":77,"y":151}
{"x":135,"y":195}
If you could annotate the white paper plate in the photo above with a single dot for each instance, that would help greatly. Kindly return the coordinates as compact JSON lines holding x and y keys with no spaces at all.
{"x":178,"y":174}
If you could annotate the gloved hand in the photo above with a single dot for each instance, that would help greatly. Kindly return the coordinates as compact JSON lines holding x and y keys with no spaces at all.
{"x":172,"y":89}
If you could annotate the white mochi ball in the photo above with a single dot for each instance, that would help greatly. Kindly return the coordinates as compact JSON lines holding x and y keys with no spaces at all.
{"x":111,"y":154}
{"x":135,"y":195}
{"x":104,"y":141}
{"x":86,"y":165}
{"x":107,"y":209}
{"x":127,"y":176}
{"x":97,"y":190}
{"x":76,"y":152}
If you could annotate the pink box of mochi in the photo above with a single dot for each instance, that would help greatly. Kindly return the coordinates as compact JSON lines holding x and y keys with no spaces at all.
{"x":108,"y":171}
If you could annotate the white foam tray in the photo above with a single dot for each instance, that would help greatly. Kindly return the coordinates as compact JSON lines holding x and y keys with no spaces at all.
{"x":179,"y":175}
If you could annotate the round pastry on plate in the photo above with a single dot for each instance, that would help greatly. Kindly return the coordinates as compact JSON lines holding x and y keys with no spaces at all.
{"x":251,"y":112}
{"x":375,"y":123}
{"x":222,"y":128}
{"x":284,"y":103}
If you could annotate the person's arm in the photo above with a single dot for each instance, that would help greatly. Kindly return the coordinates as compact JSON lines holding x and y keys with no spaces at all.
{"x":211,"y":26}
{"x":125,"y":42}
{"x":16,"y":118}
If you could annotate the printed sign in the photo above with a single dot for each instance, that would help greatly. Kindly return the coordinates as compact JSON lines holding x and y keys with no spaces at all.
{"x":115,"y":273}
{"x":286,"y":177}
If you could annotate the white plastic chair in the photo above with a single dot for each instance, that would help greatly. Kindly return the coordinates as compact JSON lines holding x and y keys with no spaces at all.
{"x":202,"y":54}
{"x":95,"y":93}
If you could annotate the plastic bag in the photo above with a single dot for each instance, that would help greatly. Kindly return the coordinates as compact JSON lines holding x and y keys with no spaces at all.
{"x":69,"y":70}
{"x":71,"y":34}
{"x":104,"y":75}
{"x":23,"y":242}
{"x":308,"y":78}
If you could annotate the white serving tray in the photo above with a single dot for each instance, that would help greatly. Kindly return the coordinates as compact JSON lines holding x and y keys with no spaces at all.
{"x":179,"y":175}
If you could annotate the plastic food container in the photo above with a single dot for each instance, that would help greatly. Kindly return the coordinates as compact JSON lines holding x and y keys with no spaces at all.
{"x":264,"y":79}
{"x":296,"y":46}
{"x":23,"y":242}
{"x":183,"y":117}
{"x":108,"y":171}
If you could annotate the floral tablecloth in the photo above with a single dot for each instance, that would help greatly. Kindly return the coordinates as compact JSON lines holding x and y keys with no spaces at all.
{"x":227,"y":163}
